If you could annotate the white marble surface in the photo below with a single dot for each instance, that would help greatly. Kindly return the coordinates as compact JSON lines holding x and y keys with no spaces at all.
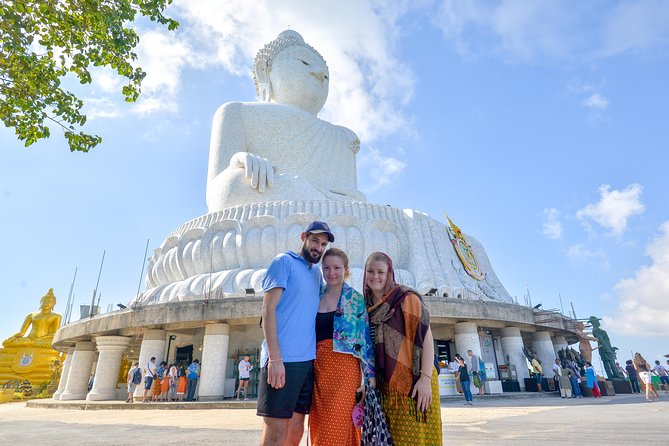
{"x":467,"y":338}
{"x":274,"y":167}
{"x":153,"y":345}
{"x":543,"y":346}
{"x":278,"y":148}
{"x":226,"y":252}
{"x":76,"y":386}
{"x":64,"y":373}
{"x":111,"y":350}
{"x":214,"y":362}
{"x":512,"y":346}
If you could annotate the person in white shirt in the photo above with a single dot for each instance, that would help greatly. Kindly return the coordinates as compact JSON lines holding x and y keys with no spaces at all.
{"x":661,"y":371}
{"x":245,"y":368}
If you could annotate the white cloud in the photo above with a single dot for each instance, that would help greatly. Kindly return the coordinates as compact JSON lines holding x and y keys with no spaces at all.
{"x":635,"y":26}
{"x":526,"y":31}
{"x":162,"y":56}
{"x":643,"y":306}
{"x":369,"y":85}
{"x":380,"y":169}
{"x":103,"y":107}
{"x":514,"y":29}
{"x":596,"y":101}
{"x":552,"y":226}
{"x":582,"y":254}
{"x":614,"y":208}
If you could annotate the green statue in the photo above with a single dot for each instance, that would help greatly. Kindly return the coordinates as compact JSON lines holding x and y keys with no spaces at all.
{"x":607,"y":353}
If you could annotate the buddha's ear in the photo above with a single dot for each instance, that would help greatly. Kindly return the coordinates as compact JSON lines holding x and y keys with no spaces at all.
{"x":264,"y":86}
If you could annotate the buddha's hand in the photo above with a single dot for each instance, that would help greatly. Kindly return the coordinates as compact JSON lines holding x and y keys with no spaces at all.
{"x":258,"y":169}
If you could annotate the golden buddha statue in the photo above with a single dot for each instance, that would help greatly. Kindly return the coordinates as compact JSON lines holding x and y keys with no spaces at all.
{"x":30,"y":357}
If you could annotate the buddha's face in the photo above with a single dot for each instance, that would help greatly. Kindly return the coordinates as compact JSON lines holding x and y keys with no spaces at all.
{"x":47,"y":303}
{"x":299,"y":77}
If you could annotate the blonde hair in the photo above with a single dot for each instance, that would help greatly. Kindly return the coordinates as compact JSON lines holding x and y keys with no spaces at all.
{"x":336,"y":252}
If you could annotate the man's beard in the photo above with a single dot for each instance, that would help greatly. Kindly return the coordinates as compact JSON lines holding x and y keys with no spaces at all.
{"x":308,"y":257}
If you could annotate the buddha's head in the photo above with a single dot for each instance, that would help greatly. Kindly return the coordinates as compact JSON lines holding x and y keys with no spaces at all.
{"x":48,"y":301}
{"x":289,"y":71}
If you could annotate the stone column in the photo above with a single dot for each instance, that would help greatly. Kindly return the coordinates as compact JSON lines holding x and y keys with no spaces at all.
{"x":111,"y":349}
{"x":76,"y":386}
{"x":467,"y":338}
{"x":543,"y":345}
{"x":214,"y":362}
{"x":153,"y":345}
{"x":63,"y":373}
{"x":559,"y":342}
{"x":512,"y":345}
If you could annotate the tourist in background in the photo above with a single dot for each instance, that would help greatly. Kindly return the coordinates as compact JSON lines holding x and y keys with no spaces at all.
{"x":591,"y":380}
{"x":564,"y":378}
{"x":643,"y":369}
{"x":244,"y":368}
{"x":404,"y":355}
{"x":538,"y":371}
{"x":182,"y":385}
{"x":664,"y":376}
{"x":193,"y":375}
{"x":633,"y":376}
{"x":149,"y":374}
{"x":574,"y":379}
{"x":156,"y":389}
{"x":134,"y":378}
{"x":474,"y":368}
{"x":465,"y":383}
{"x":344,"y":354}
{"x":164,"y":382}
{"x":173,"y":375}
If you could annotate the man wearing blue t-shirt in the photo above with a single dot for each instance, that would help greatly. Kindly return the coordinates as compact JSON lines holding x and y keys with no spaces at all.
{"x":291,"y":286}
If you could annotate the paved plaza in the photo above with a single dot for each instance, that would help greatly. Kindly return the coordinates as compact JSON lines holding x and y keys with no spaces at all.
{"x":623,"y":419}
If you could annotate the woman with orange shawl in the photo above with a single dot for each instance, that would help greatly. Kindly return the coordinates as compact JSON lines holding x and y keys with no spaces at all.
{"x":404,"y":353}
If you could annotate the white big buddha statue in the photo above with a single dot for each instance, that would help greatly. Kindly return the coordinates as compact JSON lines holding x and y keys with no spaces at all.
{"x":278,"y":148}
{"x":274,"y":166}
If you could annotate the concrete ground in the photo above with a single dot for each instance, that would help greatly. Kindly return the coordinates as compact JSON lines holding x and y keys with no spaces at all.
{"x":622,"y":419}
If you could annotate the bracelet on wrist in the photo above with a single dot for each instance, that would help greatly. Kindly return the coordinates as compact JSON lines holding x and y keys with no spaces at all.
{"x":276,"y":360}
{"x":425,"y":374}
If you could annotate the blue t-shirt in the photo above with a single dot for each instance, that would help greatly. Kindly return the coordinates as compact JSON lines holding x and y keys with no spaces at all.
{"x":297,"y":307}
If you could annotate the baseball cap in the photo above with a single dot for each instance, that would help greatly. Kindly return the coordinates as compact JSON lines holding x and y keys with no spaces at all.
{"x":320,"y":227}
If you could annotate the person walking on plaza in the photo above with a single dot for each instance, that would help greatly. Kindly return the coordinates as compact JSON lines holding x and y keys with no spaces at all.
{"x":344,"y":356}
{"x":134,"y":378}
{"x":661,"y":371}
{"x":291,"y":285}
{"x":193,"y":375}
{"x":150,"y":372}
{"x":474,"y":369}
{"x":244,"y":369}
{"x":591,"y":380}
{"x":404,"y":355}
{"x":538,"y":371}
{"x":645,"y":376}
{"x":464,"y":380}
{"x":633,"y":376}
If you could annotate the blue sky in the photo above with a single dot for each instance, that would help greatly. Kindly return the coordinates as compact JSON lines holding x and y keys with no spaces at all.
{"x":539,"y":127}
